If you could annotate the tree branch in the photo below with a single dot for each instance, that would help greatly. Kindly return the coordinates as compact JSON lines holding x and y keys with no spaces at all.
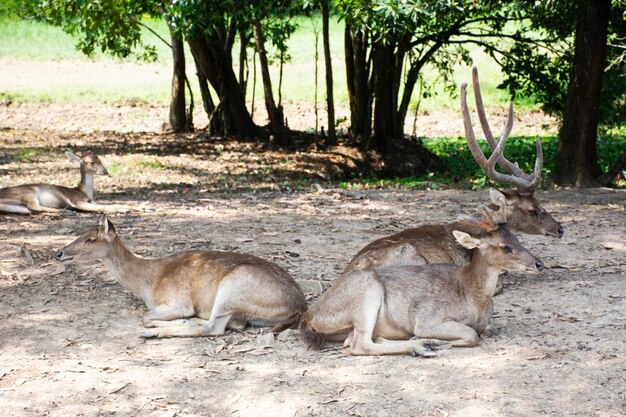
{"x":606,"y":178}
{"x":150,"y":30}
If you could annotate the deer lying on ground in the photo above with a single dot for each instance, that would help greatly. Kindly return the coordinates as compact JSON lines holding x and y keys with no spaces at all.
{"x":412,"y":309}
{"x":436,"y":243}
{"x":195,"y":293}
{"x":48,"y":198}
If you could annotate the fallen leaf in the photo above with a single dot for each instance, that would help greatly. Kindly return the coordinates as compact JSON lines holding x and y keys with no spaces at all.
{"x":119,"y":388}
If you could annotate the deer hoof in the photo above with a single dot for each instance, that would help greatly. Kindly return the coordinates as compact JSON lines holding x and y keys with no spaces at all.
{"x":422,"y":351}
{"x":437,"y":345}
{"x":150,"y":334}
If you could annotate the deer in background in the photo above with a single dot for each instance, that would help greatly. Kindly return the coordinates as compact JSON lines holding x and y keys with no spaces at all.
{"x":413,"y":309}
{"x":436,"y":243}
{"x":195,"y":293}
{"x":57,"y":199}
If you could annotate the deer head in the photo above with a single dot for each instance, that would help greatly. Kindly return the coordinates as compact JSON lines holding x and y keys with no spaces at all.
{"x":91,"y":245}
{"x":524,"y":213}
{"x":493,"y":238}
{"x":89,"y":162}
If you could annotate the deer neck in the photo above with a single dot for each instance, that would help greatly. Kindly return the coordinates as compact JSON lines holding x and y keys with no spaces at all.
{"x":86,"y":183}
{"x":134,"y":273}
{"x":480,"y":277}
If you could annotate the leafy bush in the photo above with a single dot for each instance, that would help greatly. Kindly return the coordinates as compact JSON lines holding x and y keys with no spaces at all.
{"x":463,"y":168}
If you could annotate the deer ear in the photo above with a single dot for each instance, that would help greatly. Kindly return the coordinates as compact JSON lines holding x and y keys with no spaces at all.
{"x":104,"y":224}
{"x":111,"y":233}
{"x":73,"y":157}
{"x":465,"y":239}
{"x":107,"y":228}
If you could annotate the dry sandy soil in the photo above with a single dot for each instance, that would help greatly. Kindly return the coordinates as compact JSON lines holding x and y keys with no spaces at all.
{"x":69,"y":337}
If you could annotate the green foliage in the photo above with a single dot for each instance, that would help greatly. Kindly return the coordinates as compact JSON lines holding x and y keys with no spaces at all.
{"x":461,"y":164}
{"x":463,"y":168}
{"x":109,"y":26}
{"x":542,"y":71}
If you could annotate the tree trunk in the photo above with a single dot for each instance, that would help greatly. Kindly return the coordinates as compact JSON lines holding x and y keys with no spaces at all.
{"x":243,"y":59}
{"x":216,"y":67}
{"x":385,"y":97}
{"x":357,"y":74}
{"x":178,"y":115}
{"x":216,"y":119}
{"x":273,"y":113}
{"x":576,"y":159}
{"x":331,"y":139}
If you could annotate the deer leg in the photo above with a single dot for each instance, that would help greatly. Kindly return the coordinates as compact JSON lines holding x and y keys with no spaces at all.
{"x":34,"y":206}
{"x":14,"y":208}
{"x":101,"y":208}
{"x":221,"y":313}
{"x":414,"y":346}
{"x":361,"y":342}
{"x":169,"y":321}
{"x":457,"y":334}
{"x":48,"y":203}
{"x":164,"y":313}
{"x":499,"y":288}
{"x":235,"y":323}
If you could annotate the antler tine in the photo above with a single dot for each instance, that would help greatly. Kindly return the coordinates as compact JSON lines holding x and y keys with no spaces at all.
{"x":480,"y":109}
{"x":489,"y":215}
{"x":481,"y":223}
{"x":535,"y":178}
{"x":477,"y":153}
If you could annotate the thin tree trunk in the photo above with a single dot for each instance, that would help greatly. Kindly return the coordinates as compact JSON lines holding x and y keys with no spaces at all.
{"x":243,"y":59}
{"x":317,"y":55}
{"x":576,"y":159}
{"x":216,"y":120}
{"x":178,"y":110}
{"x":331,"y":139}
{"x":276,"y":119}
{"x":357,"y":74}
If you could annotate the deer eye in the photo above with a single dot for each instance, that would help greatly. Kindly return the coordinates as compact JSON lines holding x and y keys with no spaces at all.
{"x":533,"y":212}
{"x":507,"y":249}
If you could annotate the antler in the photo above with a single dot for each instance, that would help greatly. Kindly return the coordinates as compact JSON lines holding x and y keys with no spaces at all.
{"x":525,"y":183}
{"x":494,"y":217}
{"x":489,"y":219}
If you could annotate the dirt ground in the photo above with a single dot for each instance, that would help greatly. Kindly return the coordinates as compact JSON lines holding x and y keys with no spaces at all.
{"x":69,"y":337}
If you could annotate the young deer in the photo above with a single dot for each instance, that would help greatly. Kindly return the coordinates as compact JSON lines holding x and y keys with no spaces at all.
{"x":195,"y":293}
{"x":411,"y":309}
{"x":435,"y":243}
{"x":47,"y":198}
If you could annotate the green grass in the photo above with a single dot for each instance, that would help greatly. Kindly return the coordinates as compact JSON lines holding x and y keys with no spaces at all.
{"x":33,"y":40}
{"x":25,"y":154}
{"x":37,"y":42}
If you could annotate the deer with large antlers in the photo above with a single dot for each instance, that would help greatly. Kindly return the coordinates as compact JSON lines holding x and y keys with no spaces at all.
{"x":412,"y":309}
{"x":436,"y":243}
{"x":195,"y":293}
{"x":57,"y":199}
